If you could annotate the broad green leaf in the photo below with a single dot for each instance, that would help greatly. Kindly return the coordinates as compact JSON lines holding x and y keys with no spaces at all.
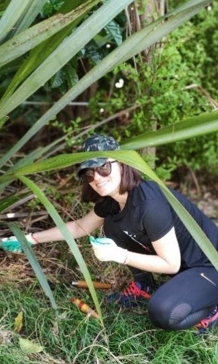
{"x":29,"y":347}
{"x":71,"y":75}
{"x":133,"y":159}
{"x":144,"y":38}
{"x":198,"y":125}
{"x":33,"y":262}
{"x":66,"y":50}
{"x":14,"y":12}
{"x":114,"y":29}
{"x":37,"y":34}
{"x":57,"y":79}
{"x":67,"y":236}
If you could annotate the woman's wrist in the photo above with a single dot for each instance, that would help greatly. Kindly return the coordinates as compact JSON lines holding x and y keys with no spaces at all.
{"x":34,"y":238}
{"x":126,"y":258}
{"x":121,"y":256}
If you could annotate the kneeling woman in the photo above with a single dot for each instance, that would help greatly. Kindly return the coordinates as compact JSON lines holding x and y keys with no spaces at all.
{"x":147,"y":235}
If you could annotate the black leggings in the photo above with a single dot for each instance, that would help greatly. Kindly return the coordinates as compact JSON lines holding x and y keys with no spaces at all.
{"x":185,"y":299}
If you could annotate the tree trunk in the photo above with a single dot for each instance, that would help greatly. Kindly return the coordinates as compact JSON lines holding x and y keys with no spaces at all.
{"x":141,"y":14}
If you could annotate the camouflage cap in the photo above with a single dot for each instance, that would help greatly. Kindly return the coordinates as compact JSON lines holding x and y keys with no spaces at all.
{"x":97,"y":143}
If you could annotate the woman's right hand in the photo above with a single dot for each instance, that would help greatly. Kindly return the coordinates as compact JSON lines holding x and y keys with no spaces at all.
{"x":105,"y":249}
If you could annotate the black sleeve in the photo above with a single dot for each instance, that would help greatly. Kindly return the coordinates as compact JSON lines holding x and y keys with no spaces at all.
{"x":157,"y":218}
{"x":106,"y":207}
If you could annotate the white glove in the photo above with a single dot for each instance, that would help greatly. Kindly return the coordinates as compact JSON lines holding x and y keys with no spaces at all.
{"x":13,"y":245}
{"x":106,"y":249}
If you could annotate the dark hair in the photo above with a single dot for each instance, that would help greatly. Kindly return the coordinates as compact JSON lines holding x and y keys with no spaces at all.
{"x":130,"y":178}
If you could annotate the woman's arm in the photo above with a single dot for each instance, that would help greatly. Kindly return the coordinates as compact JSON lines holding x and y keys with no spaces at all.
{"x":78,"y":229}
{"x":167,"y":260}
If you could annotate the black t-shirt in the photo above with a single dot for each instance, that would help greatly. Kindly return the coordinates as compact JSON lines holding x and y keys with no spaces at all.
{"x":148,"y":216}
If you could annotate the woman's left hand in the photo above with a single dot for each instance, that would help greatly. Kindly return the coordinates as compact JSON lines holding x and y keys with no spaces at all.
{"x":106,"y":249}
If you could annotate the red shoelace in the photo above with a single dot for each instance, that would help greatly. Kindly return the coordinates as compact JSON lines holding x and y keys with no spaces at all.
{"x":134,"y":290}
{"x":208,"y":320}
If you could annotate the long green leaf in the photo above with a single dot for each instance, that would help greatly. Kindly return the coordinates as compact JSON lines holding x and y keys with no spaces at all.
{"x":31,"y":13}
{"x":67,"y":236}
{"x":144,"y":38}
{"x":37,"y":34}
{"x":33,"y":262}
{"x":133,"y":159}
{"x":14,"y":12}
{"x":70,"y":5}
{"x":188,"y":128}
{"x":191,"y":225}
{"x":43,"y":50}
{"x":67,"y":49}
{"x":9,"y":201}
{"x":185,"y":6}
{"x":154,"y":32}
{"x":67,"y":160}
{"x":35,"y":154}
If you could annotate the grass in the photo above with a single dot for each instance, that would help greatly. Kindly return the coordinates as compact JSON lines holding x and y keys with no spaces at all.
{"x":72,"y":337}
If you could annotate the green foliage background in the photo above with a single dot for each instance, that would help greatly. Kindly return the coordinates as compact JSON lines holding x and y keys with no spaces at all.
{"x":157,"y":92}
{"x":150,"y":63}
{"x":168,"y":89}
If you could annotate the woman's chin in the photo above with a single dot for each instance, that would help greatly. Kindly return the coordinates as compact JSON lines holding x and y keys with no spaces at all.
{"x":102,"y":193}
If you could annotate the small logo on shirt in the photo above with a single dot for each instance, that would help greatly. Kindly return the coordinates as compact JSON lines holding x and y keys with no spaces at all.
{"x":133,"y":237}
{"x":208,"y":279}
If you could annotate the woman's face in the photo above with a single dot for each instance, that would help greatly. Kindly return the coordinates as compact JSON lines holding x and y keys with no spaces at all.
{"x":110,"y":185}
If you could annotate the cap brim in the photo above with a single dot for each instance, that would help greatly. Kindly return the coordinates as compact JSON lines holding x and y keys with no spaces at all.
{"x":91,"y":163}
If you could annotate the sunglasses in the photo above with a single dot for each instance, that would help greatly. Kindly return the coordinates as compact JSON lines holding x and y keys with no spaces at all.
{"x":104,"y":171}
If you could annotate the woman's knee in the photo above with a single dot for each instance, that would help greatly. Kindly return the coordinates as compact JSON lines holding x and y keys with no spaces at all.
{"x":166,"y":315}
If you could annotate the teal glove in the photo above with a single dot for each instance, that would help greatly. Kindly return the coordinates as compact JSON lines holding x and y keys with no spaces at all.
{"x":101,"y":241}
{"x":11,"y":244}
{"x":106,"y":249}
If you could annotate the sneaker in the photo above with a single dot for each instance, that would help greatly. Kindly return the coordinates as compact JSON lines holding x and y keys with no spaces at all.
{"x":134,"y":295}
{"x":208,"y":323}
